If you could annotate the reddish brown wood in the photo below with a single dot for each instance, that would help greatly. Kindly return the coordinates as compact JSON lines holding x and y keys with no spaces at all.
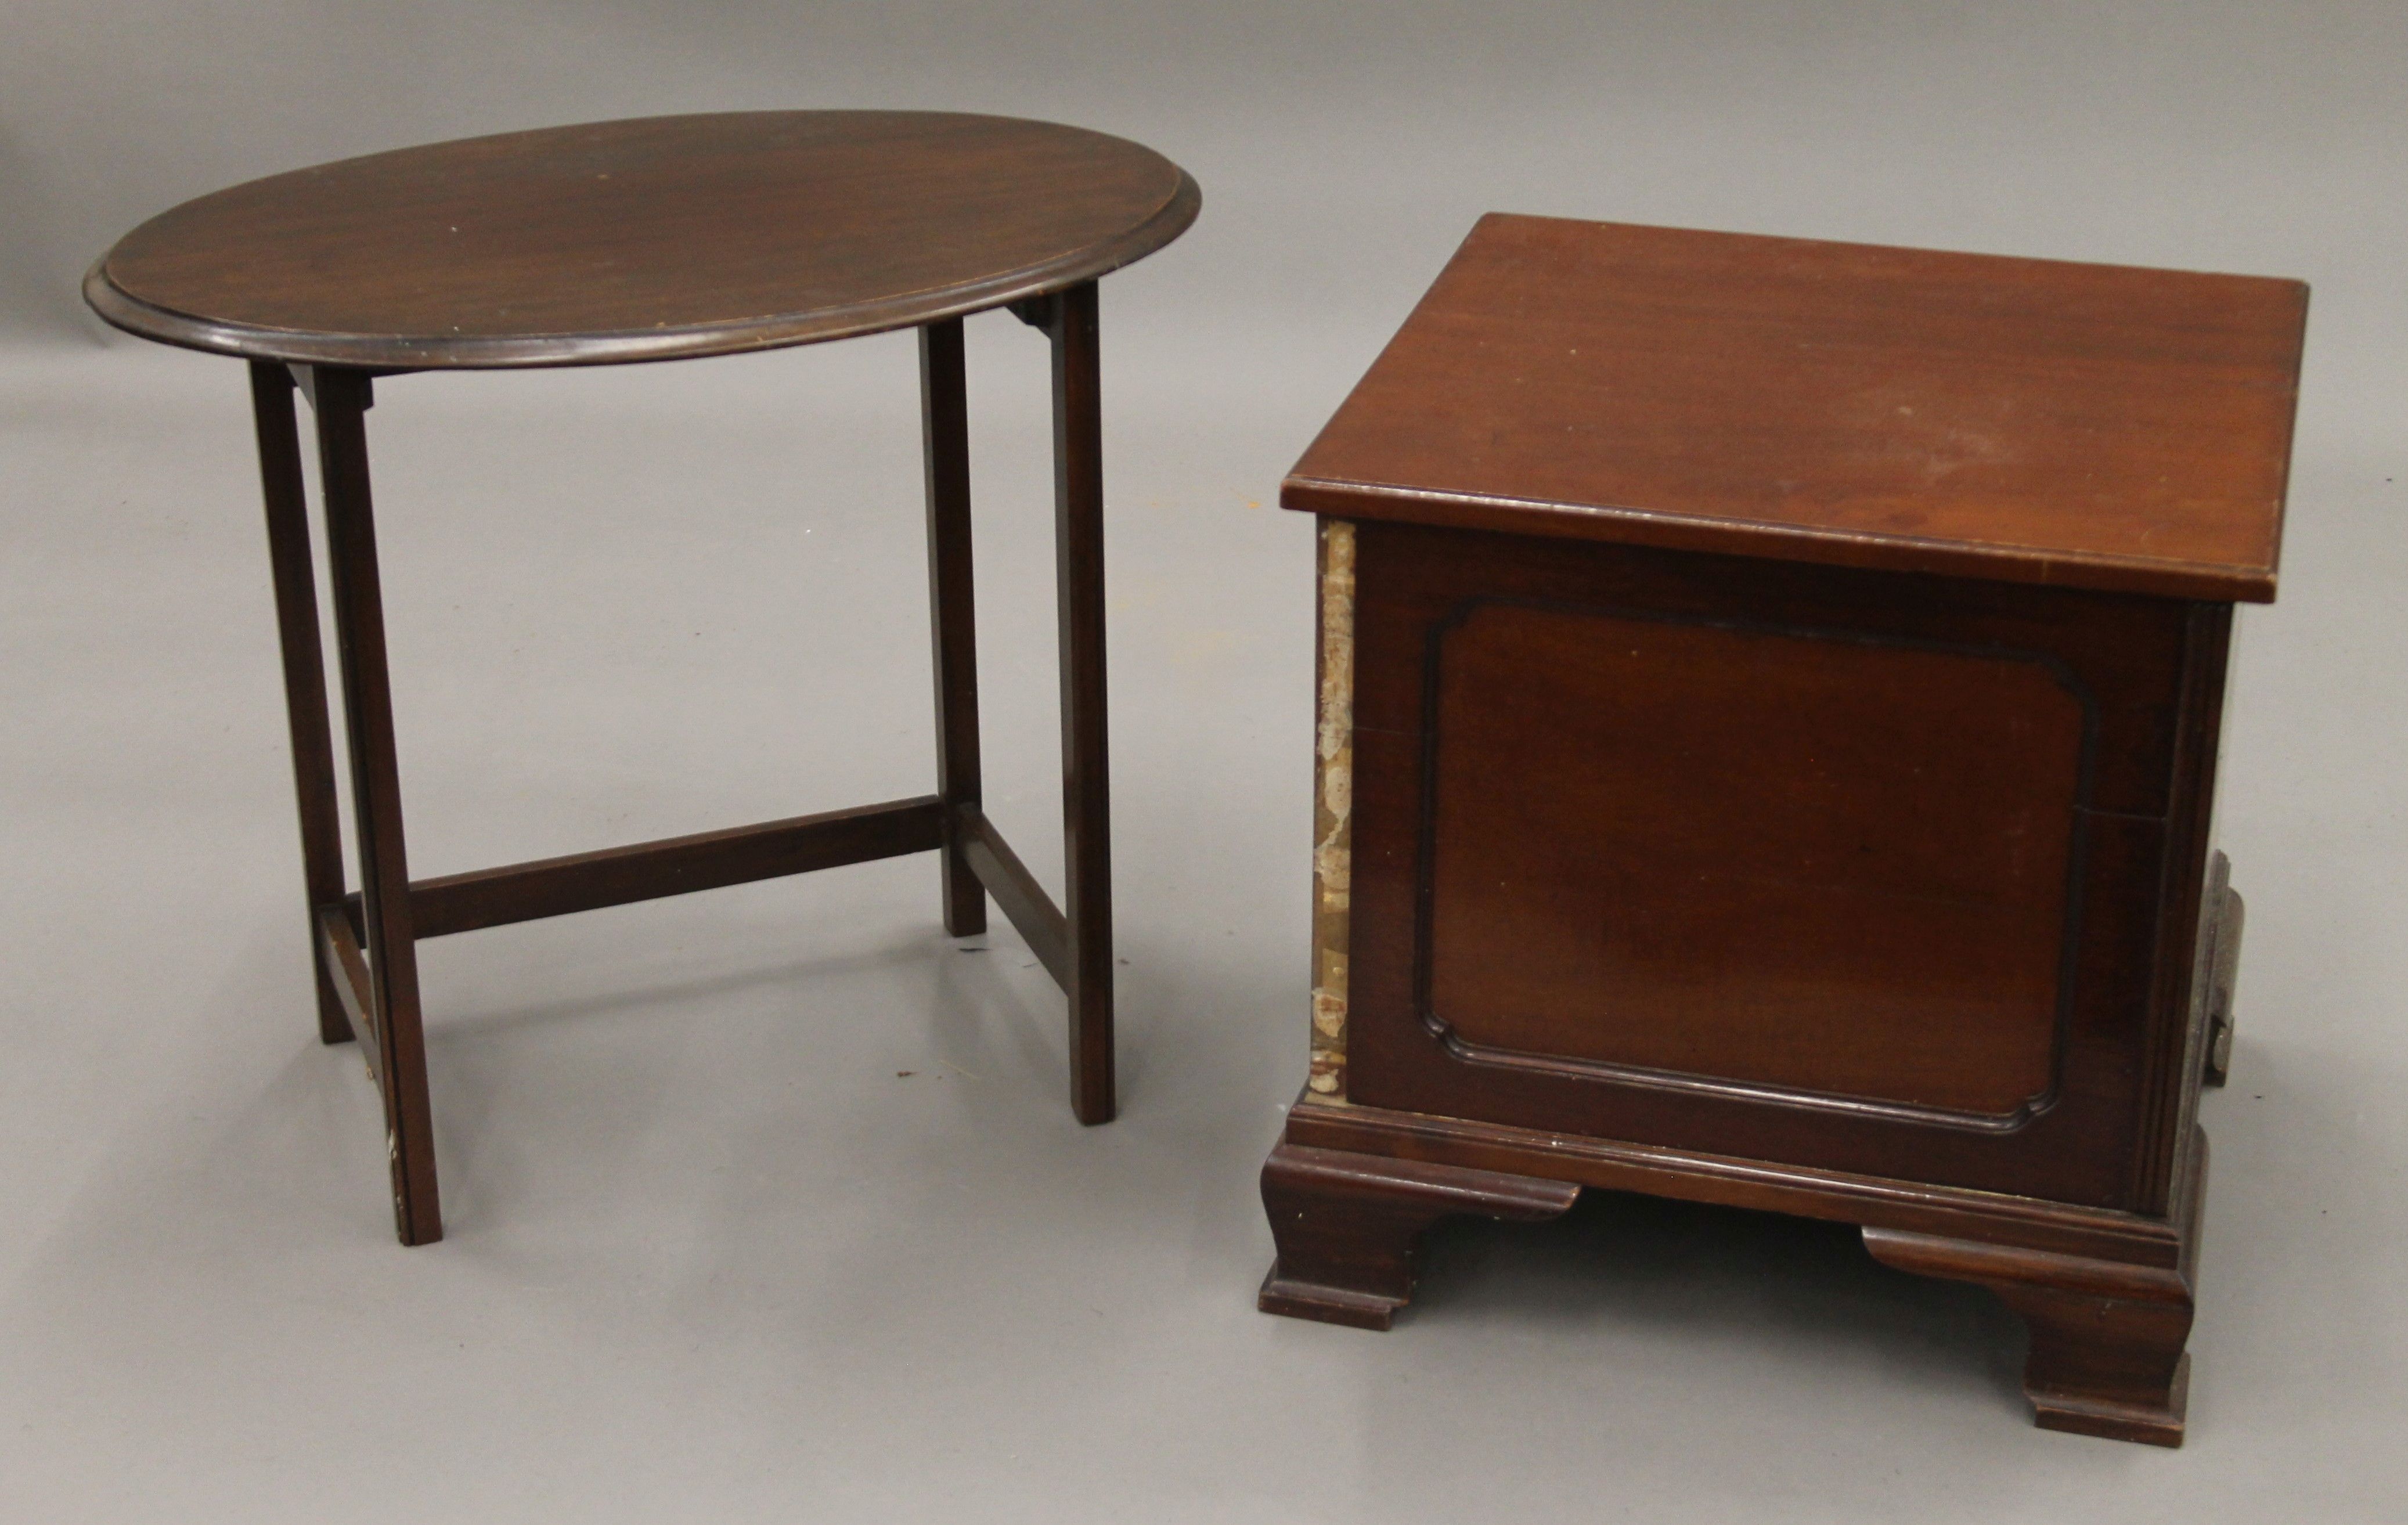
{"x":647,"y":240}
{"x":1031,"y":911}
{"x":1086,"y":783}
{"x":2177,"y":1018}
{"x":953,"y":611}
{"x":2107,"y":1354}
{"x":1769,"y":1185}
{"x":345,"y":967}
{"x":559,"y":886}
{"x":1904,"y":811}
{"x":642,"y":240}
{"x":2107,"y":1338}
{"x":1642,"y":841}
{"x":1787,"y":683}
{"x":2030,"y":420}
{"x":305,"y":666}
{"x":1349,"y":1227}
{"x":341,"y":399}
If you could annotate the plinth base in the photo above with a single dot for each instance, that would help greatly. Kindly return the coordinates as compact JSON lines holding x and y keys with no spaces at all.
{"x":2107,"y":1296}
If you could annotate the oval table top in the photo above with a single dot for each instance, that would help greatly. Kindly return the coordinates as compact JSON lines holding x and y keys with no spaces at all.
{"x":649,"y":239}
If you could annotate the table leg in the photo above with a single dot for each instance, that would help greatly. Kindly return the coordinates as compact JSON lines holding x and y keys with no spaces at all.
{"x":304,"y":669}
{"x":341,"y":399}
{"x":1086,"y":794}
{"x":944,"y":416}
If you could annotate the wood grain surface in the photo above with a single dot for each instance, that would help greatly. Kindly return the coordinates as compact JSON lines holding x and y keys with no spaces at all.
{"x":1789,"y":862}
{"x":1778,"y":857}
{"x":2029,"y":421}
{"x":647,"y":240}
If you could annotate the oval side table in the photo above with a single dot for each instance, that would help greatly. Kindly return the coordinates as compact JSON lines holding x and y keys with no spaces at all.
{"x":669,"y":238}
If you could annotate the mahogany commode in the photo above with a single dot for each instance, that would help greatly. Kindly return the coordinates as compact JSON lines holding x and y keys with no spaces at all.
{"x":663,"y":239}
{"x":1769,"y":700}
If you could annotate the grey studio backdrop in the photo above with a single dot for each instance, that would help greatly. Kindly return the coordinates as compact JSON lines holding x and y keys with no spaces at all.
{"x":764,"y":1203}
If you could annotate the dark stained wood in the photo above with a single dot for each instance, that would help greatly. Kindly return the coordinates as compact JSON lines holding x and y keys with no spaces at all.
{"x":1674,"y":762}
{"x":2107,"y":1338}
{"x":391,"y":949}
{"x":304,"y":666}
{"x":2175,"y":1022}
{"x":345,"y":966}
{"x":1779,"y":762}
{"x":953,"y":609}
{"x":646,"y":239}
{"x":652,"y":871}
{"x":1349,"y":1227}
{"x":1025,"y":904}
{"x":2026,"y":420}
{"x":1873,"y":838}
{"x":1086,"y":785}
{"x":2107,"y":1296}
{"x":1685,"y":832}
{"x":1770,"y":1185}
